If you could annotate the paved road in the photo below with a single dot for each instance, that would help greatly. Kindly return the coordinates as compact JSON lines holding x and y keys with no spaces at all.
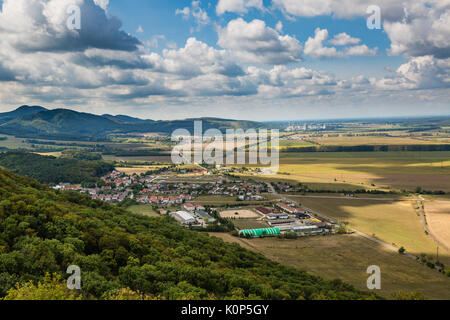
{"x":356,"y":198}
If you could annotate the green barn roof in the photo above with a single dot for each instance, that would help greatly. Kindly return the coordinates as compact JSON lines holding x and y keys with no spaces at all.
{"x":261,"y":232}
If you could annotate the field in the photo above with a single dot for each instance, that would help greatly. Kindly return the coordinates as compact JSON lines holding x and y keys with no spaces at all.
{"x":162,"y":158}
{"x":438,"y":219}
{"x":243,"y":224}
{"x":370,"y":140}
{"x":239,"y":213}
{"x":394,"y":222}
{"x":143,"y":209}
{"x":137,"y":169}
{"x":13,"y":142}
{"x":231,"y":201}
{"x":353,"y":170}
{"x":347,"y":258}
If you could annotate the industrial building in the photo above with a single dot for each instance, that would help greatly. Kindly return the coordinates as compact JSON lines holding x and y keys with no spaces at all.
{"x":205,"y":216}
{"x":184,"y":218}
{"x":281,"y":221}
{"x":277,"y":216}
{"x":306,"y":229}
{"x":286,"y":208}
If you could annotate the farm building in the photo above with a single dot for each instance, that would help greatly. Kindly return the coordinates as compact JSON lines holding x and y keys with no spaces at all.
{"x":260,"y":232}
{"x":263,"y":210}
{"x":205,"y":216}
{"x":183,"y":217}
{"x":277,"y":216}
{"x":306,"y":229}
{"x":281,"y":221}
{"x":286,"y":208}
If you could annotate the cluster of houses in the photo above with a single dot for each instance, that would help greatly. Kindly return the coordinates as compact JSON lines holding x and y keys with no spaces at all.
{"x":146,"y":189}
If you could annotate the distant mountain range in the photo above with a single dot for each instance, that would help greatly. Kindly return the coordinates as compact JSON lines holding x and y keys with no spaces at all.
{"x":39,"y":122}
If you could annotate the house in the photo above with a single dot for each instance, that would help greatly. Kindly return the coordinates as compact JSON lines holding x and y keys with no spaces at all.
{"x":189,"y":207}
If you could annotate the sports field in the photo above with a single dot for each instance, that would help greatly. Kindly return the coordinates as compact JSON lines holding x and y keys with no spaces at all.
{"x":239,"y":214}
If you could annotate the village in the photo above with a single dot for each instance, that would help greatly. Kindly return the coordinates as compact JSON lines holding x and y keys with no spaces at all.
{"x":174,"y":198}
{"x":155,"y":189}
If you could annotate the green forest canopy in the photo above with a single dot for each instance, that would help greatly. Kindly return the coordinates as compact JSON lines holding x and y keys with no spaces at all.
{"x":47,"y":169}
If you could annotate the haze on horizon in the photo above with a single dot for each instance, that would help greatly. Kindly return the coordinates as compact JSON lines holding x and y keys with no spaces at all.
{"x":268,"y":60}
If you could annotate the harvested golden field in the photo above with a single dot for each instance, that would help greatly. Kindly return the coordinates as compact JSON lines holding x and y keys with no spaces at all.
{"x":356,"y":170}
{"x":138,"y":169}
{"x":347,"y":258}
{"x":394,"y":222}
{"x":370,"y":140}
{"x":438,"y":219}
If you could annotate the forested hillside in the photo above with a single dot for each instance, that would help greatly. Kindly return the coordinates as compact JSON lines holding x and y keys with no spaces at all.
{"x":44,"y":231}
{"x":47,"y":169}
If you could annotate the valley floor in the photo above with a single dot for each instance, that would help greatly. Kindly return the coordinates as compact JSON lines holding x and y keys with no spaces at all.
{"x":347,"y":257}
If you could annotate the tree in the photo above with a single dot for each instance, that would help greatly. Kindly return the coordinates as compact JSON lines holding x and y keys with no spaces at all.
{"x":405,"y":295}
{"x":50,"y":288}
{"x":342,"y":228}
{"x":401,"y":250}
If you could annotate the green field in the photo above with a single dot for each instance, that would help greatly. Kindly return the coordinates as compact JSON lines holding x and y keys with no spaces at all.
{"x":144,"y":209}
{"x":13,"y":142}
{"x":242,"y":224}
{"x":347,"y":258}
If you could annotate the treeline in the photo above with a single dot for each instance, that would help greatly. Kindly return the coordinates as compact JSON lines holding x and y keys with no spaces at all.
{"x":370,"y":148}
{"x":48,"y":169}
{"x":82,"y":155}
{"x":136,"y":153}
{"x":45,"y":231}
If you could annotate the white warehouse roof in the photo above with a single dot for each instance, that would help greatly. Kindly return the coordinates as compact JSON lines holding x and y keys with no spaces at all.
{"x":186,"y":216}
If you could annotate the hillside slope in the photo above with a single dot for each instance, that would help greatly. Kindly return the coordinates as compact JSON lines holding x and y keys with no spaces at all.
{"x":20,"y":112}
{"x":44,"y":231}
{"x":64,"y":124}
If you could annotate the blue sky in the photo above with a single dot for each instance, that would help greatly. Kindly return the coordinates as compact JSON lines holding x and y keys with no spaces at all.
{"x":250,"y":59}
{"x":157,"y":17}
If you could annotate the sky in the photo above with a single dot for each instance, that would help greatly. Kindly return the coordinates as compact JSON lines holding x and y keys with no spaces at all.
{"x":244,"y":59}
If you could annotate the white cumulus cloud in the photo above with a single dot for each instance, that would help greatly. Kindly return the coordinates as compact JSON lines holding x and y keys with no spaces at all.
{"x":254,"y":42}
